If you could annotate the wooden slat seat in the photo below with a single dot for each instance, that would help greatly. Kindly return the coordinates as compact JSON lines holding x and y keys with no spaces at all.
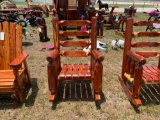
{"x":151,"y":75}
{"x":75,"y":71}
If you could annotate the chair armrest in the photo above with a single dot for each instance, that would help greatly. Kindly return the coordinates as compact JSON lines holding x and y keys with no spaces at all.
{"x":17,"y":61}
{"x":137,"y":58}
{"x":97,"y":55}
{"x":53,"y":55}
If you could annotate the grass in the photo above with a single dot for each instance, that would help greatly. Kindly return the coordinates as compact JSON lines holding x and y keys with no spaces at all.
{"x":113,"y":106}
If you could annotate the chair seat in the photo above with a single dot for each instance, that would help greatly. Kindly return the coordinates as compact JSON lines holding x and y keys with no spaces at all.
{"x":151,"y":74}
{"x":7,"y":79}
{"x":75,"y":71}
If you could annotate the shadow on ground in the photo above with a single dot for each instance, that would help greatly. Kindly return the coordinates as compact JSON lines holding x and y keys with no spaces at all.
{"x":77,"y":91}
{"x":30,"y":94}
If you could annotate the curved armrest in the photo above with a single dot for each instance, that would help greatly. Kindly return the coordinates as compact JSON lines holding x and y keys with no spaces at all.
{"x":98,"y":56}
{"x":137,"y":58}
{"x":17,"y":61}
{"x":52,"y":56}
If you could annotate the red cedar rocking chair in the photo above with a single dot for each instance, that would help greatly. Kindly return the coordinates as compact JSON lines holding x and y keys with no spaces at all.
{"x":14,"y":74}
{"x":135,"y":69}
{"x":58,"y":73}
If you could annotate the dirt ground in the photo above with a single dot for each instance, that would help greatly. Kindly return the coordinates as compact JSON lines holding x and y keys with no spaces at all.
{"x":75,"y":100}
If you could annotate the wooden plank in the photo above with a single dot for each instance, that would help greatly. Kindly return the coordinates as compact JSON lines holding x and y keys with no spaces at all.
{"x":69,"y":72}
{"x":74,"y":33}
{"x":145,"y":23}
{"x":122,"y":34}
{"x":18,"y":40}
{"x":63,"y":72}
{"x":145,"y":34}
{"x":5,"y":74}
{"x":75,"y":73}
{"x":87,"y":71}
{"x":1,"y":54}
{"x":78,"y":53}
{"x":6,"y":90}
{"x":145,"y":44}
{"x":75,"y":43}
{"x":6,"y":58}
{"x":148,"y":54}
{"x":81,"y":71}
{"x":74,"y":23}
{"x":12,"y":41}
{"x":6,"y":84}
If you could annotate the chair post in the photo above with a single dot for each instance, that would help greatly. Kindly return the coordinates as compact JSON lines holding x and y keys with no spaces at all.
{"x":137,"y":81}
{"x":56,"y":37}
{"x":93,"y":37}
{"x":127,"y":45}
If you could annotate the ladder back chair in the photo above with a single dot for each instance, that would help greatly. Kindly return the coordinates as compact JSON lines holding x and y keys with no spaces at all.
{"x":14,"y":73}
{"x":136,"y":70}
{"x":58,"y":71}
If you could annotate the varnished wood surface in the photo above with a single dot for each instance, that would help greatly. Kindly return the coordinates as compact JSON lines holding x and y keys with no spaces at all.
{"x":134,"y":67}
{"x":75,"y":72}
{"x":12,"y":73}
{"x":58,"y":71}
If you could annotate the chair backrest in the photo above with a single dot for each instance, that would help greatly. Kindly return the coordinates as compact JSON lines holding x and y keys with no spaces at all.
{"x":145,"y":44}
{"x":91,"y":33}
{"x":11,"y":44}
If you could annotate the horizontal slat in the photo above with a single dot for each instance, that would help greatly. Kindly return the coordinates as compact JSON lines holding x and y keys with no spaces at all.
{"x":6,"y":89}
{"x":6,"y":84}
{"x":120,"y":33}
{"x":75,"y":43}
{"x":145,"y":44}
{"x":74,"y":33}
{"x":148,"y":54}
{"x":145,"y":23}
{"x":6,"y":74}
{"x":79,"y":53}
{"x":74,"y":23}
{"x":149,"y":34}
{"x":7,"y":80}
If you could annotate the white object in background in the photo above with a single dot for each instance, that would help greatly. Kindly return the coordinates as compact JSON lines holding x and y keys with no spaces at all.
{"x":100,"y":47}
{"x":114,"y":44}
{"x":156,"y":25}
{"x":120,"y":43}
{"x":39,"y":29}
{"x":1,"y":35}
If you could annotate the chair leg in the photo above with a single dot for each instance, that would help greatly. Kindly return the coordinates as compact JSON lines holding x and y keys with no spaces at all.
{"x":27,"y":72}
{"x":136,"y":101}
{"x":97,"y":82}
{"x":15,"y":100}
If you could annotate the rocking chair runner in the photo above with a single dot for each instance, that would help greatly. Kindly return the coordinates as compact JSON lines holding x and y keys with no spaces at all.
{"x":135,"y":71}
{"x":58,"y":73}
{"x":14,"y":73}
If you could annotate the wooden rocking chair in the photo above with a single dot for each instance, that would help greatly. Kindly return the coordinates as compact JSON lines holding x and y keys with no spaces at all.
{"x":58,"y":73}
{"x":14,"y":73}
{"x":136,"y":71}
